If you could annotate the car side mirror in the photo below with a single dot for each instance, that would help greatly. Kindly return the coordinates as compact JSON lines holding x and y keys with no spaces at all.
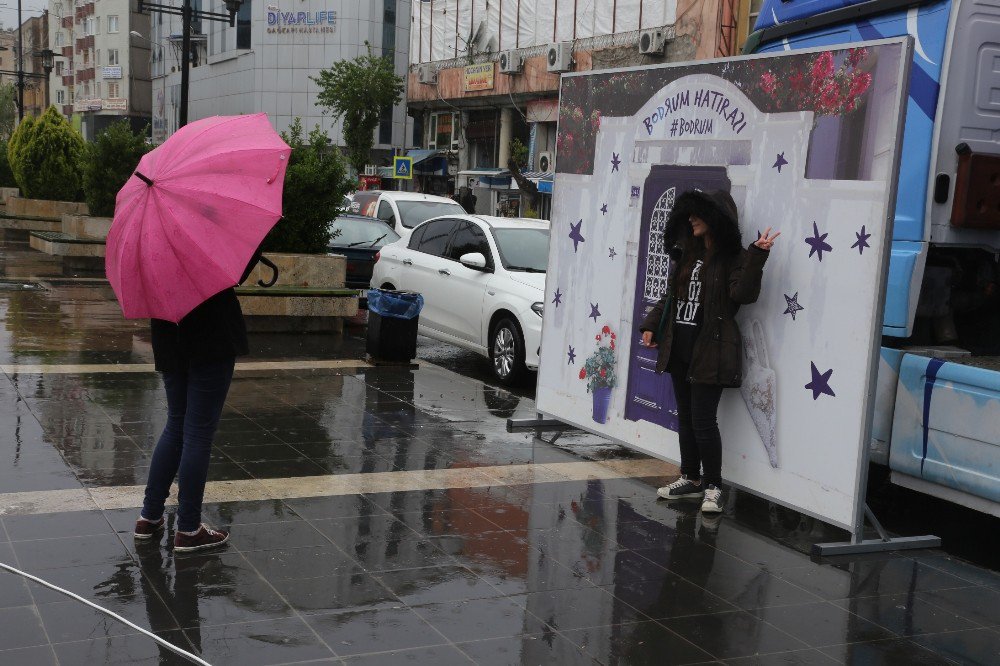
{"x":474,"y":260}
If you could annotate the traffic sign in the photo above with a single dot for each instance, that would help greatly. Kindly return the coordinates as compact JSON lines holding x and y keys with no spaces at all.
{"x":402,"y":168}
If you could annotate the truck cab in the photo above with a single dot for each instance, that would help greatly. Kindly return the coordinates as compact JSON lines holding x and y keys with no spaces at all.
{"x":937,"y":410}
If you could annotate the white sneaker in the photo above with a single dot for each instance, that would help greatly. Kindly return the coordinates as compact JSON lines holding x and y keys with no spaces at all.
{"x":681,"y":488}
{"x":713,"y":500}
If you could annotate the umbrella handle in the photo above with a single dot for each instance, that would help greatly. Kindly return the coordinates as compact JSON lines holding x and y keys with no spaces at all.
{"x":274,"y":270}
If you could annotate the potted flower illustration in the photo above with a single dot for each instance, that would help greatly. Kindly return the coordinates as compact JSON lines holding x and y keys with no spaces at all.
{"x":599,"y":373}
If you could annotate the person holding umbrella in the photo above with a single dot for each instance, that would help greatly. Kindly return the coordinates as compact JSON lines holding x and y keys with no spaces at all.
{"x":187,"y":229}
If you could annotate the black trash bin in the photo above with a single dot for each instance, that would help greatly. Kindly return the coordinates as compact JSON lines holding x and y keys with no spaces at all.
{"x":392,"y":325}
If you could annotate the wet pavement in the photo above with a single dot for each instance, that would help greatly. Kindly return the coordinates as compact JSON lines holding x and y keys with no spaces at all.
{"x":384,"y":515}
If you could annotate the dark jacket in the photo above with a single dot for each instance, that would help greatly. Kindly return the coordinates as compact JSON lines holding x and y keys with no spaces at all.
{"x":213,"y":331}
{"x":731,"y":278}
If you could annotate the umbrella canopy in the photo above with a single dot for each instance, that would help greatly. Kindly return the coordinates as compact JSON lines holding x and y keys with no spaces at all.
{"x":193,"y":214}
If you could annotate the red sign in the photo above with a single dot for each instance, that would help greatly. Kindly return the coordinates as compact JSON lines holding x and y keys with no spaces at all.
{"x":369,"y":182}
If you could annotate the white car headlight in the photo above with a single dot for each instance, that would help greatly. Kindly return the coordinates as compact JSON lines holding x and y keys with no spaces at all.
{"x":538,"y":308}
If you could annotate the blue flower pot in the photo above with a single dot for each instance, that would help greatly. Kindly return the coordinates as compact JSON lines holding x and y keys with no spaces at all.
{"x":602,"y":398}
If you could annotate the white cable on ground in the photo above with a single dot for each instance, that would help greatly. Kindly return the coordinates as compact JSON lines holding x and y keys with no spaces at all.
{"x":170,"y":646}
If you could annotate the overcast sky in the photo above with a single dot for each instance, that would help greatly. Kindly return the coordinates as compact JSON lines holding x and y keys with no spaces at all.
{"x":8,"y":13}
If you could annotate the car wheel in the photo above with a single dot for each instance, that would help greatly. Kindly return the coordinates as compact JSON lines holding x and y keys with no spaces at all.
{"x":507,"y":352}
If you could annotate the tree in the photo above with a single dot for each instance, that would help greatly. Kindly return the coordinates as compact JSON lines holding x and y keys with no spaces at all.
{"x":44,"y":154}
{"x":8,"y":109}
{"x":108,"y":163}
{"x":315,"y":185}
{"x":357,"y":91}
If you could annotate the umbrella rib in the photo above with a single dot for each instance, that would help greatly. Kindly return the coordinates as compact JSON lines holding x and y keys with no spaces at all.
{"x":227,"y":197}
{"x":181,"y":228}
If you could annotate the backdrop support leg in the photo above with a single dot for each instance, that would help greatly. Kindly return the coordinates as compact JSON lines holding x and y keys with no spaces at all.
{"x":883,"y":544}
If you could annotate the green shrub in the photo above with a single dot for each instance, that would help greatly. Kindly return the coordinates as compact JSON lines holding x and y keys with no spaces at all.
{"x":107,"y":165}
{"x":315,"y":185}
{"x":6,"y":175}
{"x":44,"y":155}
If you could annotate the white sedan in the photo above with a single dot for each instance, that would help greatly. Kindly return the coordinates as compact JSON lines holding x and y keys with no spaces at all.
{"x":483,"y":282}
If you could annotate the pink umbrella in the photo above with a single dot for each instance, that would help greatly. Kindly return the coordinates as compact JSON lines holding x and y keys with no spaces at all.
{"x":192,"y":215}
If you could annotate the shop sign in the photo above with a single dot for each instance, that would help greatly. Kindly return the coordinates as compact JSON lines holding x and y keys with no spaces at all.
{"x":116,"y":104}
{"x":282,"y":22}
{"x":479,"y":77}
{"x":81,"y":105}
{"x":112,"y":72}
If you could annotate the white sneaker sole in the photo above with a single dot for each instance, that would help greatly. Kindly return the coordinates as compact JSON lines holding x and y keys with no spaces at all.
{"x":711,"y":508}
{"x":206,"y":546}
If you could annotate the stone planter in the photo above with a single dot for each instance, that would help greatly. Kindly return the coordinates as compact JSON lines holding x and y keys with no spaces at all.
{"x":26,"y":215}
{"x":308,"y":296}
{"x":86,"y":227}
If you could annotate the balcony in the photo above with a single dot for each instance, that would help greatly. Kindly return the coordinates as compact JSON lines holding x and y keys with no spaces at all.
{"x":67,"y":79}
{"x":67,"y":22}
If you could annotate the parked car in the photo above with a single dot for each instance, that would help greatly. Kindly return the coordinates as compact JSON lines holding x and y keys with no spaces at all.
{"x":359,"y":239}
{"x":403,"y":210}
{"x":483,"y":282}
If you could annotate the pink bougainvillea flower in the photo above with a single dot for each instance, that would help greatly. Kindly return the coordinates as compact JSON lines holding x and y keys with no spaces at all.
{"x":823,"y":66}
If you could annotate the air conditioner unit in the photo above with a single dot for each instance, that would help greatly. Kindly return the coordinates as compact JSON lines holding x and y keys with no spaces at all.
{"x":371,"y":170}
{"x":560,"y":57}
{"x":510,"y":62}
{"x":545,"y":162}
{"x":427,"y":74}
{"x":651,"y":42}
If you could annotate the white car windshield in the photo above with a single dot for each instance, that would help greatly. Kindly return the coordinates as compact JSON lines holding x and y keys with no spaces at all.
{"x":415,"y":212}
{"x":523,"y":249}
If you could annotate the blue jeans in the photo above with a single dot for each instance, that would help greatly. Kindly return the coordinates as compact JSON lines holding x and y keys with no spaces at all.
{"x":194,"y":405}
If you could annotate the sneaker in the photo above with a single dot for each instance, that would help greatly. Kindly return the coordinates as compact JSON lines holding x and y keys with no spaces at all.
{"x":681,"y":488}
{"x":147,"y":529}
{"x":713,"y":500}
{"x":203,"y":539}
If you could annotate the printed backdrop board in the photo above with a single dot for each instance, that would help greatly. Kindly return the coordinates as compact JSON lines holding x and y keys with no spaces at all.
{"x":806,"y":143}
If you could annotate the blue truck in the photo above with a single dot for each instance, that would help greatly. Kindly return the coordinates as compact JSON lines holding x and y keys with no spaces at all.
{"x":937,"y":408}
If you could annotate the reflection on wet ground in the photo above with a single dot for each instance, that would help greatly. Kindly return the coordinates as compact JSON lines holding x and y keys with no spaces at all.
{"x":540,"y":567}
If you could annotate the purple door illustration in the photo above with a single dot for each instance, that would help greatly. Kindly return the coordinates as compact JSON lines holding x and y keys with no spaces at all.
{"x":650,"y":397}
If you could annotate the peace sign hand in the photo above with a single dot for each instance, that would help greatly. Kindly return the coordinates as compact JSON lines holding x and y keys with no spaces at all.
{"x":767,"y":240}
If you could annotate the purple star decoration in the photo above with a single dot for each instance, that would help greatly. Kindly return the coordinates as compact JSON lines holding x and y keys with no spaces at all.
{"x":615,"y":162}
{"x":820,"y":383}
{"x":557,"y":298}
{"x":817,"y":243}
{"x":604,"y":209}
{"x":780,"y":162}
{"x":793,"y":305}
{"x":594,"y":312}
{"x":575,"y":234}
{"x":862,"y":241}
{"x":611,"y":253}
{"x":571,"y":355}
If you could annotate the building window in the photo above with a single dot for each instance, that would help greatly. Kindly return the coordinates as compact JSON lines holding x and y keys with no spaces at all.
{"x":59,"y":68}
{"x":243,"y":19}
{"x":60,"y":97}
{"x":88,"y":26}
{"x":86,"y":57}
{"x":442,"y":134}
{"x":113,"y":57}
{"x":112,"y":90}
{"x":59,"y":38}
{"x":112,"y":24}
{"x":71,"y":94}
{"x":385,"y":126}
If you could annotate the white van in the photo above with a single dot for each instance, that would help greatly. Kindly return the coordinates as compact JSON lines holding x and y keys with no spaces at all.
{"x":403,"y":210}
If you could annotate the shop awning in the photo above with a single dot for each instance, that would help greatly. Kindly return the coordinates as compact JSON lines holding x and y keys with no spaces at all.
{"x":543,"y":179}
{"x":428,"y":162}
{"x":494,"y":179}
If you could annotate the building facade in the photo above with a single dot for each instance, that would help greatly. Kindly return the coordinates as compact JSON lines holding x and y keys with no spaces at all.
{"x":101,"y":71}
{"x":266,"y":62}
{"x":483,"y":84}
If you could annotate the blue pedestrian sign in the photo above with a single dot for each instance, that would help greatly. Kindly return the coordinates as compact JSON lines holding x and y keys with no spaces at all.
{"x":402,"y":167}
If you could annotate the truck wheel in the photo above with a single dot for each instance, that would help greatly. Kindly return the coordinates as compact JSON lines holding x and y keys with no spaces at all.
{"x":507,"y":352}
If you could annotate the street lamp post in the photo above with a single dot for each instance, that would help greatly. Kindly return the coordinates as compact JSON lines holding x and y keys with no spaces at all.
{"x":187,"y":13}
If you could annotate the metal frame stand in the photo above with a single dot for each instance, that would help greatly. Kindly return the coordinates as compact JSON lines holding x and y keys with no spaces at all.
{"x":540,"y":425}
{"x":884,"y":543}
